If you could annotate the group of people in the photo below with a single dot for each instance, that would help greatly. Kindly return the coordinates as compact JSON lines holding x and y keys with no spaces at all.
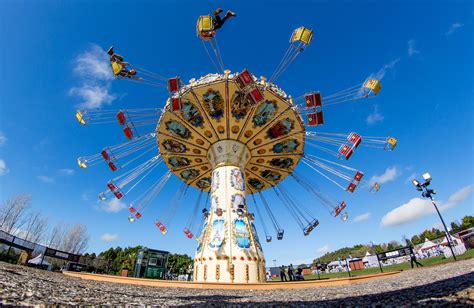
{"x":288,"y":273}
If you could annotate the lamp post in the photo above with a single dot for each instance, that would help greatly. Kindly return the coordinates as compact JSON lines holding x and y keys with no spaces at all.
{"x":428,"y":193}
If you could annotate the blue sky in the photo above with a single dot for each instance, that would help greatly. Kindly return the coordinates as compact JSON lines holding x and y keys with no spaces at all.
{"x":423,"y":50}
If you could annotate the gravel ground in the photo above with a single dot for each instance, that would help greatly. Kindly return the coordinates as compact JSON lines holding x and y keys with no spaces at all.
{"x":444,"y":285}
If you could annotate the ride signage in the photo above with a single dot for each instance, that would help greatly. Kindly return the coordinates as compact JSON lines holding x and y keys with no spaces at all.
{"x":404,"y":251}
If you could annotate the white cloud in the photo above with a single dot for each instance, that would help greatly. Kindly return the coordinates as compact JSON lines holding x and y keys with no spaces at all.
{"x":3,"y":167}
{"x":417,"y":208}
{"x":113,"y":205}
{"x":454,"y":27}
{"x":45,"y":179}
{"x":361,"y":217}
{"x":381,"y":73}
{"x":3,"y":139}
{"x":375,"y":116}
{"x":411,"y":48}
{"x":93,"y":68}
{"x":109,"y":237}
{"x":324,"y":249}
{"x":93,"y":64}
{"x":93,"y":96}
{"x":390,"y":174}
{"x":457,"y":197}
{"x":66,"y":171}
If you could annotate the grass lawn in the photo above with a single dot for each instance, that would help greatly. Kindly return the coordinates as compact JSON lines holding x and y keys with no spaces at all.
{"x":396,"y":267}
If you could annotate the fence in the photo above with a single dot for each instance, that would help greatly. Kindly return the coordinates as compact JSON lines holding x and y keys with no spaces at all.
{"x":17,"y":242}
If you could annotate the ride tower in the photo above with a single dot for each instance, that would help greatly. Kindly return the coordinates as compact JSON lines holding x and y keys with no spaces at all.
{"x":233,"y":127}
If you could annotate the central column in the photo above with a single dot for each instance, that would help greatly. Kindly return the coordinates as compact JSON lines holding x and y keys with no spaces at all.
{"x":228,"y":248}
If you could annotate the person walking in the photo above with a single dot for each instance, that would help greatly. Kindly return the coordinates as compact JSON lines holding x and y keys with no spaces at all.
{"x":413,"y":260}
{"x":291,"y":272}
{"x":282,"y":273}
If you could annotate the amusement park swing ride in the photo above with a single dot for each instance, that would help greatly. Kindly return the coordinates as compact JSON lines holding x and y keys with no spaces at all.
{"x":231,"y":136}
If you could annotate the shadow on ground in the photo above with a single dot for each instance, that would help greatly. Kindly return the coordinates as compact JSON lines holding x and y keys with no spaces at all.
{"x":434,"y":294}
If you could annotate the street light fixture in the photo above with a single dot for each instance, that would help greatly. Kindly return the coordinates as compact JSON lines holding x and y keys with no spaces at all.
{"x":428,"y":193}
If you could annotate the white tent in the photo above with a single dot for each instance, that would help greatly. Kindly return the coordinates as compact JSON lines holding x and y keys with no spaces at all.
{"x":37,"y":261}
{"x":454,"y":241}
{"x":370,"y":260}
{"x":333,"y":263}
{"x":427,"y":245}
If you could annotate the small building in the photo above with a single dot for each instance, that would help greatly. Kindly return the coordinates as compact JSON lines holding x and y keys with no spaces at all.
{"x":356,"y":264}
{"x":151,"y":263}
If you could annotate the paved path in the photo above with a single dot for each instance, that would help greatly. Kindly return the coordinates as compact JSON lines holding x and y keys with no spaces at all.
{"x":444,"y":285}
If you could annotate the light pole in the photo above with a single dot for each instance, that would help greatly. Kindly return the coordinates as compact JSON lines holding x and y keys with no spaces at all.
{"x":428,"y":193}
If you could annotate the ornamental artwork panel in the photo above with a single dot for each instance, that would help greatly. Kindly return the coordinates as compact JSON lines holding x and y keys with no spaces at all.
{"x":241,"y":233}
{"x":240,"y":105}
{"x":191,"y":114}
{"x":173,"y":146}
{"x":214,"y":203}
{"x":215,"y":181}
{"x":237,"y":200}
{"x":178,"y":129}
{"x":236,"y":179}
{"x":216,"y":237}
{"x":177,"y":162}
{"x":256,"y":184}
{"x":281,"y":128}
{"x":189,"y":174}
{"x":214,"y":104}
{"x":265,"y":112}
{"x":255,"y":237}
{"x":286,"y":146}
{"x":200,"y":239}
{"x":270,"y":175}
{"x":204,"y":183}
{"x":283,"y":163}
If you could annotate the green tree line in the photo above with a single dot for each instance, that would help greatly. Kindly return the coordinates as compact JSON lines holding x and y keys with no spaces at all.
{"x":114,"y":260}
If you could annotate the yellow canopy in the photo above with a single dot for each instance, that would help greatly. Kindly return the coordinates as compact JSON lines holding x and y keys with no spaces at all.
{"x":392,"y":141}
{"x":303,"y":35}
{"x":80,"y":117}
{"x":205,"y":23}
{"x":374,"y":85}
{"x":116,"y":68}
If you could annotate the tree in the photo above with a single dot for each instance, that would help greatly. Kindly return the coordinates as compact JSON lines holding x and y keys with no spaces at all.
{"x":455,"y":227}
{"x":12,"y":212}
{"x":415,"y":240}
{"x":179,"y":264}
{"x":467,"y":222}
{"x":56,"y":236}
{"x":393,"y":245}
{"x":406,"y":241}
{"x":35,"y":227}
{"x":76,"y":239}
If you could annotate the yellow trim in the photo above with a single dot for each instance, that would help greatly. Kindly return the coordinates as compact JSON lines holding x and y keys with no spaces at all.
{"x":205,"y":24}
{"x":80,"y":118}
{"x":116,"y":68}
{"x":303,"y":35}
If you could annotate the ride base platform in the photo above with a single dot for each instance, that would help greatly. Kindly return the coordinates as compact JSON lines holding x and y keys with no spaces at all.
{"x":271,"y":285}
